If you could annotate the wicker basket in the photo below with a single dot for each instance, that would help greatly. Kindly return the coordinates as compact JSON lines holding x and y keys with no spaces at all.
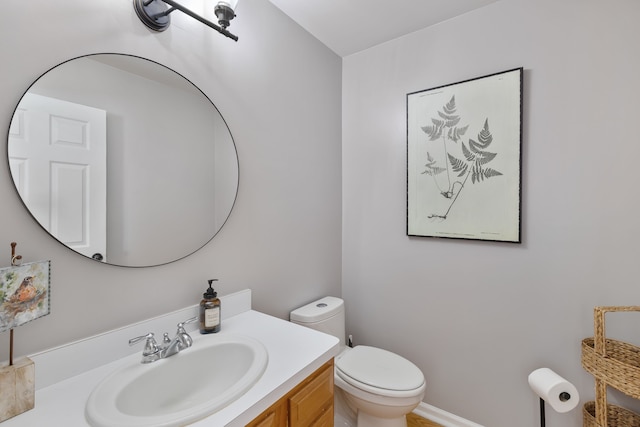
{"x":619,"y":367}
{"x":612,"y":363}
{"x":616,"y":416}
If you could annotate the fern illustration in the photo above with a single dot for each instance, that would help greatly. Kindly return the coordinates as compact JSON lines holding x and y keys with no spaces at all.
{"x":474,"y":159}
{"x":431,"y":167}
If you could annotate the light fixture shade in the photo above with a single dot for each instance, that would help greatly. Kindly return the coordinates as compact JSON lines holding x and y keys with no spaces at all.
{"x":225,"y":11}
{"x":229,"y":3}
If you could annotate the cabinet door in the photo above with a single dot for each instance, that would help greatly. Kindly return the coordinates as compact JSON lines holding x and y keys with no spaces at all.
{"x":275,"y":416}
{"x":310,"y":404}
{"x":325,"y":419}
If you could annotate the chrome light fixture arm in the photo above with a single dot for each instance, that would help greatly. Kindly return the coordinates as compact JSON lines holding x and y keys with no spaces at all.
{"x":155,"y":15}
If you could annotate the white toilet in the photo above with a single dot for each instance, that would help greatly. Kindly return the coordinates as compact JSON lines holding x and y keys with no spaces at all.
{"x":379,"y":386}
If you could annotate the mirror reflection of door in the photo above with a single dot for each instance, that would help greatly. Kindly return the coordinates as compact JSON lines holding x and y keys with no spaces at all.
{"x":172,"y":165}
{"x":57,"y":154}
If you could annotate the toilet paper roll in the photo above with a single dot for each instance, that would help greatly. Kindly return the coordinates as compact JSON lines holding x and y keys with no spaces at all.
{"x":555,"y":390}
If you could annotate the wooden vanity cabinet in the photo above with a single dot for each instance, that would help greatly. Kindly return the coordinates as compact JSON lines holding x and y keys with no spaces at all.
{"x":309,"y":404}
{"x":275,"y":416}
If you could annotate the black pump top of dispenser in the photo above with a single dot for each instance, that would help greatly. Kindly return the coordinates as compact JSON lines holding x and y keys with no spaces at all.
{"x":211,"y":293}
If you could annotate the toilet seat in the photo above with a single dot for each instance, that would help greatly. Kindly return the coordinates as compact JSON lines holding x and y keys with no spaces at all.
{"x":380,"y":372}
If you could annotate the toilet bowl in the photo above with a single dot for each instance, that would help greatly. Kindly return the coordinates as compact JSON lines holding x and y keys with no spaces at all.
{"x":378,"y":387}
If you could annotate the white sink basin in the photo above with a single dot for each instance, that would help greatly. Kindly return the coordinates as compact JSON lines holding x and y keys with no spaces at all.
{"x":181,"y":389}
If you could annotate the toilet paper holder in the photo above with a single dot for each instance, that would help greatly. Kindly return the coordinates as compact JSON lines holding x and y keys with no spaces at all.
{"x":549,"y":386}
{"x":564,"y":396}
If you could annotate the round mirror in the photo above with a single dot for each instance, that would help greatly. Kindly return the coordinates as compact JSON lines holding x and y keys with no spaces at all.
{"x":123,"y":160}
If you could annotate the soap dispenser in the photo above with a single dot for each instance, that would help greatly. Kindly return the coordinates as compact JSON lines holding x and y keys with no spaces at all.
{"x":210,"y":311}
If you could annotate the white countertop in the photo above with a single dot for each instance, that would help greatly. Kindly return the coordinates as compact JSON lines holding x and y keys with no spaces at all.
{"x":294,"y":353}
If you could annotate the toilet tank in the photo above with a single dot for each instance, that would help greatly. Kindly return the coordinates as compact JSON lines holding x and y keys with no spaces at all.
{"x":325,"y":315}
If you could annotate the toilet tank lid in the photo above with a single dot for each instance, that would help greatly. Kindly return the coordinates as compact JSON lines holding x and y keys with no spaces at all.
{"x":317,"y":311}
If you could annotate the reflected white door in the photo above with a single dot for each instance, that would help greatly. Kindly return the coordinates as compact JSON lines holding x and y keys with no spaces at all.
{"x":57,"y":156}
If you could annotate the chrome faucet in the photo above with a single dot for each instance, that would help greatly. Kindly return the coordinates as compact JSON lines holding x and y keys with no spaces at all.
{"x":181,"y":341}
{"x":152,"y":351}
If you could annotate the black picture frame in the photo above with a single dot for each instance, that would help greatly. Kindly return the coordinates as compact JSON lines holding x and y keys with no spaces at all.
{"x":464,"y":159}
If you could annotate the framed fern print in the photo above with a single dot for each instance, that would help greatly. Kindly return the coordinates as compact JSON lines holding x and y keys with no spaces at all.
{"x":464,"y":144}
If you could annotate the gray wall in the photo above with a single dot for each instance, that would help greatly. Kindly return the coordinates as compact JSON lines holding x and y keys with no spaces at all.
{"x":479,"y":317}
{"x":280,"y":92}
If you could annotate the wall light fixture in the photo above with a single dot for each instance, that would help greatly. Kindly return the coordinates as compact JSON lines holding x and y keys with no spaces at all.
{"x":155,"y":14}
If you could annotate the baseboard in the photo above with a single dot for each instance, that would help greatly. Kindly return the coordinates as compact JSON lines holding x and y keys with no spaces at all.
{"x":441,"y":417}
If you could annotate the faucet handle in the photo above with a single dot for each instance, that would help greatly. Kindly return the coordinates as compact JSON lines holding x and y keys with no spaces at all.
{"x":183,"y":336}
{"x":181,"y":324}
{"x":150,"y":346}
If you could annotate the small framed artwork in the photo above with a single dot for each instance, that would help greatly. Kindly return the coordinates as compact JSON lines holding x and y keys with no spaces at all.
{"x":464,"y":145}
{"x":24,"y":293}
